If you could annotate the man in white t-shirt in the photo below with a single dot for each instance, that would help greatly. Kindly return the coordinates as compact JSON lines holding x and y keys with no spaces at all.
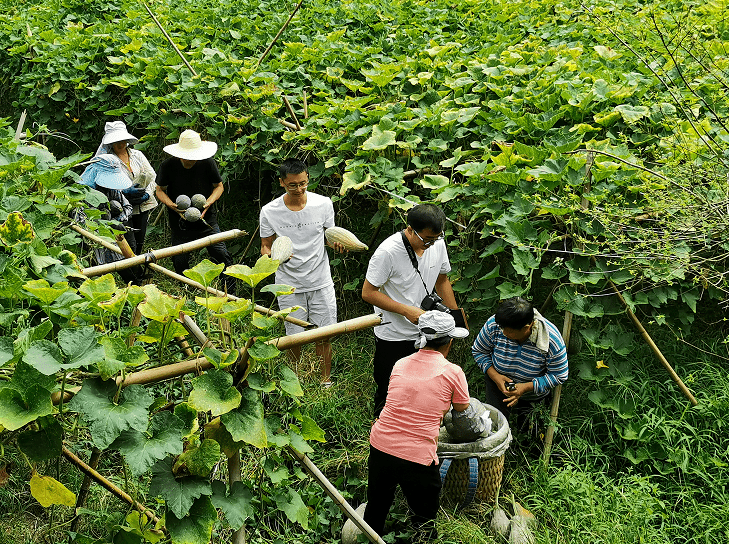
{"x":396,"y":288}
{"x":303,"y":217}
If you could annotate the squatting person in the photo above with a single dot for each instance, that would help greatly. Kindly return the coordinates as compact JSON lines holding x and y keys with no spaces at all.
{"x":523,"y":356}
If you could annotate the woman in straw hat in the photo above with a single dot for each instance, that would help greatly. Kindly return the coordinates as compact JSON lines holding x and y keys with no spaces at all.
{"x":106,"y":174}
{"x":191,"y":170}
{"x":423,"y":387}
{"x":117,"y":141}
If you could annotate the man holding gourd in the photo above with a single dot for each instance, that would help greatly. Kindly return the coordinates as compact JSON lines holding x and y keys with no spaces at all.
{"x":299,"y":218}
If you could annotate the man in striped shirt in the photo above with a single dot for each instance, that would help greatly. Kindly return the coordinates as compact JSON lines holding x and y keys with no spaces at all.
{"x":523,"y":356}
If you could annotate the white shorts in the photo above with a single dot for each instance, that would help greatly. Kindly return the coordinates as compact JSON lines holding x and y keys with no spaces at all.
{"x":318,"y":307}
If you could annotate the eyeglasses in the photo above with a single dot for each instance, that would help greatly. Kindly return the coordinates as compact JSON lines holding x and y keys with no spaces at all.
{"x":297,"y":185}
{"x":429,"y":242}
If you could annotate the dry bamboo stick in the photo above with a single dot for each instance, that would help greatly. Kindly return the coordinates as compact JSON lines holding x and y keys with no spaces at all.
{"x":234,"y":475}
{"x":306,"y":106}
{"x":268,"y":49}
{"x":158,"y":254}
{"x":94,"y":475}
{"x":340,"y":501}
{"x":85,"y":486}
{"x":292,"y":113}
{"x":194,"y":330}
{"x":656,"y":350}
{"x":557,"y":395}
{"x":185,"y":279}
{"x":288,"y":125}
{"x":175,"y":370}
{"x":19,"y":129}
{"x":194,"y":73}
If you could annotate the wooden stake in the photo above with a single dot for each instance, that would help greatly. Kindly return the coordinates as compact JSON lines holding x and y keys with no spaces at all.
{"x":85,"y":486}
{"x":158,"y":254}
{"x":306,"y":106}
{"x":98,"y":478}
{"x":654,"y":347}
{"x":194,"y":73}
{"x":291,"y":111}
{"x":557,"y":394}
{"x":19,"y":130}
{"x":340,"y":501}
{"x":268,"y":49}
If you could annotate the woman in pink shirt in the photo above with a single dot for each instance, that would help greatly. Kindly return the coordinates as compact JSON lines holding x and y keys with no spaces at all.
{"x":403,"y":440}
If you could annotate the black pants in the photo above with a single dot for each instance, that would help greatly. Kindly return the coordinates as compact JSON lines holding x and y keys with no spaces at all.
{"x":138,"y":222}
{"x":419,"y":483}
{"x":521,"y":410}
{"x":218,"y":252}
{"x":387,"y":353}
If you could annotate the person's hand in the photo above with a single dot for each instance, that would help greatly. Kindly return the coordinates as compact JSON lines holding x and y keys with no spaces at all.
{"x":339,"y":248}
{"x":412,"y":313}
{"x":500,"y":380}
{"x":512,"y":397}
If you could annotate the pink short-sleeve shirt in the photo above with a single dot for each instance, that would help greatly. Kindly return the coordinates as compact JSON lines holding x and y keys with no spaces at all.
{"x":422,"y":388}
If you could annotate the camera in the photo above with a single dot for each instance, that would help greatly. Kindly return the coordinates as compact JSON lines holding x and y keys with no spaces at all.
{"x":434,"y":302}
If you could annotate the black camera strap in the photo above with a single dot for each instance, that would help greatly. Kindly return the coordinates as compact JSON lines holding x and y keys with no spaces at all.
{"x":413,"y":258}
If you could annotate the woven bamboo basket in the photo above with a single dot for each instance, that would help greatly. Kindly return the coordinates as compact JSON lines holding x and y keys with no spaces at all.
{"x":490,"y":471}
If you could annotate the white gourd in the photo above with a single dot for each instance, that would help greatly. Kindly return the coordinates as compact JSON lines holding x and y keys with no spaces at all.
{"x":192,"y":214}
{"x":343,"y":236}
{"x":282,"y":249}
{"x":350,"y":531}
{"x":198,"y":201}
{"x":182,"y":202}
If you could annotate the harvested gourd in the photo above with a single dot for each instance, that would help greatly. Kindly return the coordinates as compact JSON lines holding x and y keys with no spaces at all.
{"x":198,"y":201}
{"x":339,"y":235}
{"x":520,"y":528}
{"x":350,"y":531}
{"x":499,"y":519}
{"x":192,"y":214}
{"x":182,"y":202}
{"x":282,"y":249}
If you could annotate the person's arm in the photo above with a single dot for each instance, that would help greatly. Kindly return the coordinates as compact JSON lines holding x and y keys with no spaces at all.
{"x":373,"y":295}
{"x":161,"y":194}
{"x":483,"y":354}
{"x":557,"y":367}
{"x":218,"y":190}
{"x":266,"y":244}
{"x":445,"y":290}
{"x":460,"y":407}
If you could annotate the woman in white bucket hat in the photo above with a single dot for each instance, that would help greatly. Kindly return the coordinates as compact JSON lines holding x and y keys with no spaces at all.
{"x":118,"y":141}
{"x":191,"y":170}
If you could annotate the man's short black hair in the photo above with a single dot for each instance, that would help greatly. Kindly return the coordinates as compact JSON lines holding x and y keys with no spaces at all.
{"x":426,"y":216}
{"x":438,"y":342}
{"x":291,"y":166}
{"x":514,"y":313}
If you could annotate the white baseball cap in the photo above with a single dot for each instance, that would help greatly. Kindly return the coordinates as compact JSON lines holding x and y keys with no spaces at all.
{"x":435,"y":324}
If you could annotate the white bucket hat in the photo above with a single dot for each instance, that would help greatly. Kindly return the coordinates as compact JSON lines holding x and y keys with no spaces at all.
{"x":106,"y":171}
{"x":435,"y":324}
{"x":116,"y":131}
{"x":191,"y":147}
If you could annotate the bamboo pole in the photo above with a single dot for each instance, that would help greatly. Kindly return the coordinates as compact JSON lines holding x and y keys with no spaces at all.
{"x":292,"y":113}
{"x":194,"y":73}
{"x":557,"y":395}
{"x":340,"y":501}
{"x":288,"y":125}
{"x":268,"y":49}
{"x":175,"y":370}
{"x":306,"y":105}
{"x":85,"y":486}
{"x":158,"y":254}
{"x":656,"y":350}
{"x":186,"y":280}
{"x":194,"y":330}
{"x":19,"y":129}
{"x":98,"y":478}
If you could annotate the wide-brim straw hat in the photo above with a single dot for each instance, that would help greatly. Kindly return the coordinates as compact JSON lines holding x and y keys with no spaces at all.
{"x":116,"y":131}
{"x":191,"y":147}
{"x":106,"y":171}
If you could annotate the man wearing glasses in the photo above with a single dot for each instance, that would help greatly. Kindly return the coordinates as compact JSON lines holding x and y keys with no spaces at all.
{"x":303,"y":216}
{"x":396,"y":288}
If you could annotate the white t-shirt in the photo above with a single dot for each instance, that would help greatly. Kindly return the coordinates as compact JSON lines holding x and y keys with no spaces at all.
{"x":308,"y":269}
{"x":392,"y":272}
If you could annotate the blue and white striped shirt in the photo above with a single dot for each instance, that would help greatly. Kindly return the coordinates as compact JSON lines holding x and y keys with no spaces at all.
{"x":522,"y":362}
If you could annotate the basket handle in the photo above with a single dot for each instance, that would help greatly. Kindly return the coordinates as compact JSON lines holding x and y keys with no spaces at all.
{"x":472,"y":478}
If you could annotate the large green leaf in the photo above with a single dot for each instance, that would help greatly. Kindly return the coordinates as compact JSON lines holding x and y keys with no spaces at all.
{"x":237,"y":506}
{"x":198,"y":459}
{"x":290,"y":503}
{"x":197,"y":526}
{"x":25,"y":398}
{"x":81,"y":346}
{"x":204,"y":272}
{"x":631,"y":114}
{"x":246,"y":422}
{"x":178,"y":493}
{"x":162,"y":332}
{"x":263,"y":268}
{"x":160,"y":306}
{"x":290,"y":382}
{"x":380,"y":139}
{"x":44,"y":292}
{"x":234,"y":309}
{"x":214,"y":392}
{"x":16,"y":230}
{"x":118,"y":356}
{"x":142,"y":450}
{"x":44,"y":356}
{"x":98,"y":289}
{"x":215,"y":430}
{"x":108,"y":419}
{"x":7,"y":351}
{"x":43,"y":444}
{"x":260,"y":351}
